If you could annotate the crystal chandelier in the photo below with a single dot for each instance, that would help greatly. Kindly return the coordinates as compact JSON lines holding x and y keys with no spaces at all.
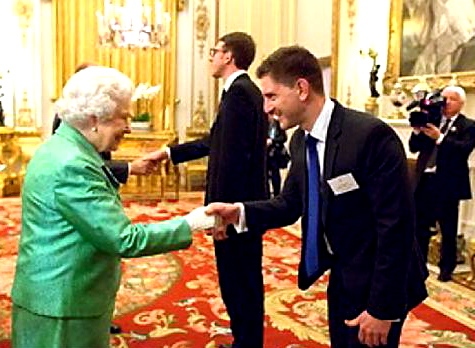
{"x":133,"y":24}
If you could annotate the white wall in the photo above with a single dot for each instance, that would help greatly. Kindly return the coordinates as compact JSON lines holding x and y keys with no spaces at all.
{"x":10,"y":44}
{"x":24,"y":48}
{"x":314,"y":26}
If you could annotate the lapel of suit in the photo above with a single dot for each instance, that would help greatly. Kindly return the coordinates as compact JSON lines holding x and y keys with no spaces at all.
{"x":222,"y":101}
{"x":458,"y":124}
{"x":225,"y":93}
{"x":332,"y":146}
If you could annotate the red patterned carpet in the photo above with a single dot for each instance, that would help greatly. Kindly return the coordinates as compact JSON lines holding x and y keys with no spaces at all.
{"x":173,"y":301}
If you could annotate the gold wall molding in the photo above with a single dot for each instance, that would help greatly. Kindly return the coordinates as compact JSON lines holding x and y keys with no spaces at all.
{"x":348,"y":96}
{"x":335,"y":47}
{"x":12,"y":163}
{"x":24,"y":10}
{"x":325,"y":62}
{"x":202,"y":25}
{"x":181,"y":4}
{"x":351,"y":12}
{"x":395,"y":32}
{"x":23,"y":117}
{"x":200,"y":119}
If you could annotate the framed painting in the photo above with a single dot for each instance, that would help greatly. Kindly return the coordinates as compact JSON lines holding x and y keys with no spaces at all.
{"x":431,"y":41}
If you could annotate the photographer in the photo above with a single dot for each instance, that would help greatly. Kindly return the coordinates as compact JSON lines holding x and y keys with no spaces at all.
{"x":442,"y":176}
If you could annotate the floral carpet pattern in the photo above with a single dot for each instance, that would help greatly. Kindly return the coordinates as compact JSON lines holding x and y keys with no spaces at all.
{"x":173,"y":300}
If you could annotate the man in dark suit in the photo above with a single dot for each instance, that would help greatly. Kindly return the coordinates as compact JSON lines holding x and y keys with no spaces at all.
{"x":442,"y":176}
{"x":236,"y":147}
{"x":348,"y":179}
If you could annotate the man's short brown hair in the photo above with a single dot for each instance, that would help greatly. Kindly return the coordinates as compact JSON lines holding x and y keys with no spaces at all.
{"x":288,"y":64}
{"x":242,"y":46}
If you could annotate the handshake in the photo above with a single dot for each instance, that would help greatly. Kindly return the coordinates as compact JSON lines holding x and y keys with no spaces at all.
{"x":214,"y":217}
{"x":148,"y":163}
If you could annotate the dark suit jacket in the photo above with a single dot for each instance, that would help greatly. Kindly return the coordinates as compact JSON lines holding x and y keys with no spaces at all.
{"x":452,"y":158}
{"x":236,"y":146}
{"x":120,"y":169}
{"x":370,"y":229}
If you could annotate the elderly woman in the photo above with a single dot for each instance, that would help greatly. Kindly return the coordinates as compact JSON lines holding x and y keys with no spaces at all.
{"x":74,"y":229}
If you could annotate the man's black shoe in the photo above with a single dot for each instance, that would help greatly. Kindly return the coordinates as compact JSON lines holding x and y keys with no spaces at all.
{"x":115,"y":329}
{"x":444,"y":277}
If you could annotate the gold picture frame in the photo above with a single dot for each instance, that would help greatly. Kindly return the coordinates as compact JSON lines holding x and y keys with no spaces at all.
{"x":335,"y":47}
{"x":426,"y":62}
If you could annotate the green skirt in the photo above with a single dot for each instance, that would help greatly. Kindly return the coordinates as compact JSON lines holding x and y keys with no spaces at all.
{"x":30,"y":330}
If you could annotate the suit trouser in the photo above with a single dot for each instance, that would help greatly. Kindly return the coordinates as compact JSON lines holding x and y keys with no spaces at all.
{"x":431,"y":207}
{"x":30,"y":330}
{"x":339,"y":308}
{"x":239,"y":263}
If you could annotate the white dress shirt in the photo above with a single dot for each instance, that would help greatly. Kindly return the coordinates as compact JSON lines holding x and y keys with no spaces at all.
{"x":319,"y":131}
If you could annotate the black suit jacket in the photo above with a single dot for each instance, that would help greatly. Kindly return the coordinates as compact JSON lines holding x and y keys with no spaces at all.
{"x":120,"y":169}
{"x":452,"y":173}
{"x":236,"y":146}
{"x":371,"y":229}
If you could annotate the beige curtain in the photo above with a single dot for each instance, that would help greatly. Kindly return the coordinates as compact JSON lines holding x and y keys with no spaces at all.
{"x":75,"y":25}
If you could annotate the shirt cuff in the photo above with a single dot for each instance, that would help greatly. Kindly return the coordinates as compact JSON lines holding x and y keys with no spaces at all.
{"x":167,"y":150}
{"x":241,"y":224}
{"x":439,"y":139}
{"x":129,"y":168}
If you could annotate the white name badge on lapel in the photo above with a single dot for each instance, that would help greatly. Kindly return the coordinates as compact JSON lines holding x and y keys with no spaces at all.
{"x":343,"y":183}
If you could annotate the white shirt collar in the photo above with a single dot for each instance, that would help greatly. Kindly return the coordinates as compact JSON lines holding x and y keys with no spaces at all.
{"x":452,"y":119}
{"x":232,"y":77}
{"x":320,"y":127}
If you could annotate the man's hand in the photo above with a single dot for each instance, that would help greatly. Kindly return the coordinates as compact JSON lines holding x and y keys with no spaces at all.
{"x":159,"y":155}
{"x":373,"y":332}
{"x":229,"y":214}
{"x":143,"y":166}
{"x":431,"y":131}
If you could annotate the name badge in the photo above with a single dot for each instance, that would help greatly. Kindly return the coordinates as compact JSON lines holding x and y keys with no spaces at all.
{"x":343,"y":183}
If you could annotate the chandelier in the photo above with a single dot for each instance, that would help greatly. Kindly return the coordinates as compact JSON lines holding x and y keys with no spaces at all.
{"x":135,"y":24}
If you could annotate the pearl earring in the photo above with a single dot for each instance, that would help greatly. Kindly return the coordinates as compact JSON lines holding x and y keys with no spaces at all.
{"x":94,"y":129}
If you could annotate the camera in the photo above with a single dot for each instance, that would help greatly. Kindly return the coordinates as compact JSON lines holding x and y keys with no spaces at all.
{"x":430,"y":109}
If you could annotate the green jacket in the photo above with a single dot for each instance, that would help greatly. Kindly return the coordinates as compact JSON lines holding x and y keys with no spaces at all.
{"x":74,"y":232}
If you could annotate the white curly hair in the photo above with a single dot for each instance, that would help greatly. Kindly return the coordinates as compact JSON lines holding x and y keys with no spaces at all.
{"x":457,"y":89}
{"x":96,"y":91}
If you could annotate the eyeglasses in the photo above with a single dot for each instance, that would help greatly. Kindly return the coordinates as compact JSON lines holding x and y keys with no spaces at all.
{"x":213,"y":51}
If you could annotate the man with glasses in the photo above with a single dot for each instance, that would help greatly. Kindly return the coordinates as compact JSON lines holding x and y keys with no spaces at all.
{"x":236,"y":147}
